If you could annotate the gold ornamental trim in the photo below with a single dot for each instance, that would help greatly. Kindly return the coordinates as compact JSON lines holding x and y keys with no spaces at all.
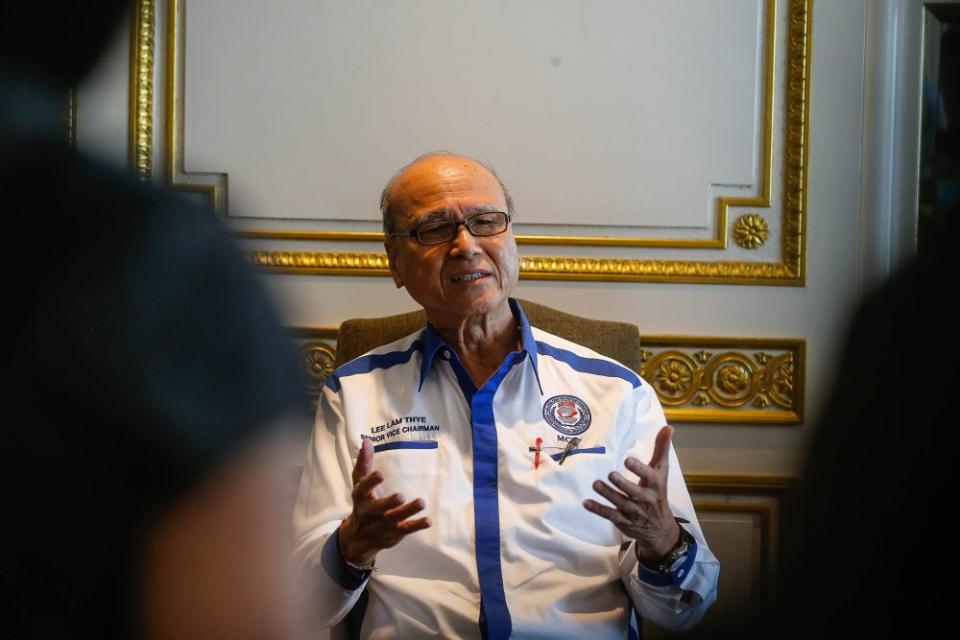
{"x":730,"y":380}
{"x":766,"y":145}
{"x":790,"y":270}
{"x":550,"y":268}
{"x":542,"y":268}
{"x":211,"y":185}
{"x":697,"y":378}
{"x":142,"y":43}
{"x":751,"y":231}
{"x":313,"y":263}
{"x":317,"y":361}
{"x":71,"y":117}
{"x":797,"y":147}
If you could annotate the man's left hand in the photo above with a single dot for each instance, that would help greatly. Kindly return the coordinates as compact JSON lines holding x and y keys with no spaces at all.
{"x":641,"y":510}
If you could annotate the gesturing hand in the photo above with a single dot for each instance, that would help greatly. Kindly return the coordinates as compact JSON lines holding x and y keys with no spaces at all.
{"x":640,"y":509}
{"x":375,"y":523}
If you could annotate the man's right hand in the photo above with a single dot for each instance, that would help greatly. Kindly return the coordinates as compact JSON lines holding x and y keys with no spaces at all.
{"x":375,"y":523}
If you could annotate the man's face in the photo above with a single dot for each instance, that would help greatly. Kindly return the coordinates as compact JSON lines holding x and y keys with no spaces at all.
{"x":465,"y":276}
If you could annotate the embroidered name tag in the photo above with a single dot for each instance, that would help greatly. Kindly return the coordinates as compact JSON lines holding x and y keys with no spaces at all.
{"x":403,"y":429}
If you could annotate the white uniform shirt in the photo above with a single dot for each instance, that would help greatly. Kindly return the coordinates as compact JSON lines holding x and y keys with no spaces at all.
{"x":505,"y":533}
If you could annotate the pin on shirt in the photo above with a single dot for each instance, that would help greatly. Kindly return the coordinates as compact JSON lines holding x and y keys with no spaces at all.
{"x":572,"y":444}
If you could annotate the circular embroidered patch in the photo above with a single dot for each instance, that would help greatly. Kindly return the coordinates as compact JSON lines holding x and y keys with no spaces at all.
{"x":567,"y":414}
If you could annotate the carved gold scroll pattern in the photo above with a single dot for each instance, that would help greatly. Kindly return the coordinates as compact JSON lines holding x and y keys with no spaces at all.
{"x":726,"y":380}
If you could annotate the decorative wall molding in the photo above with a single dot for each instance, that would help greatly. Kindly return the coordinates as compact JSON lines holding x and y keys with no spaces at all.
{"x":71,"y":117}
{"x":317,"y":351}
{"x":718,"y":496}
{"x":698,"y":379}
{"x":142,"y":42}
{"x":541,"y":268}
{"x":211,"y":185}
{"x":789,"y":270}
{"x":741,"y":380}
{"x":751,"y":231}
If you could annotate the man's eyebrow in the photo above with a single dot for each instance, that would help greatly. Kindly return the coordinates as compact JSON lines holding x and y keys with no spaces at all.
{"x":482,"y":208}
{"x":438,"y":214}
{"x":443,"y":214}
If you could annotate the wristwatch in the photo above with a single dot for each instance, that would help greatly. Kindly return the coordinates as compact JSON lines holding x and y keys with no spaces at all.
{"x":665,"y":564}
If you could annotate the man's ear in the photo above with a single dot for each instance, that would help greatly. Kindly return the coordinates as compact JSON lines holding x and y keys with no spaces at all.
{"x":392,"y":249}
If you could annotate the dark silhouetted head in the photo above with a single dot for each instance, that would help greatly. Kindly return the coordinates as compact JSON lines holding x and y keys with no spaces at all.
{"x":57,"y":41}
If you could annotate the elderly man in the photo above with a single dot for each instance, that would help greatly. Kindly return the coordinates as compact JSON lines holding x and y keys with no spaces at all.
{"x":448,"y":485}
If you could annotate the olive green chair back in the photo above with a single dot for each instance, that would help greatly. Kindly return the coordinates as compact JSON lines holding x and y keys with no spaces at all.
{"x":617,"y":340}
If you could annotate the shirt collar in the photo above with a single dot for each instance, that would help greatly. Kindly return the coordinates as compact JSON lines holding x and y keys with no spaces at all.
{"x":433,"y":343}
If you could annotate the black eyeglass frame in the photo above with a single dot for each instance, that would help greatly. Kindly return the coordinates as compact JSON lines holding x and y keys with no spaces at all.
{"x":454,"y":225}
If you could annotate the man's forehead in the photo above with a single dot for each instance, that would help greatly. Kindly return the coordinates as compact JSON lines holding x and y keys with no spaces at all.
{"x":433,"y":180}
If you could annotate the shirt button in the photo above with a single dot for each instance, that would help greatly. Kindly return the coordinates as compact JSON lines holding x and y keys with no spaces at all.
{"x":446,"y":354}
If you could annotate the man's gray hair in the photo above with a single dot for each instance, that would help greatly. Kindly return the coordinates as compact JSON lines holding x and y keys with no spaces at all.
{"x":386,"y":197}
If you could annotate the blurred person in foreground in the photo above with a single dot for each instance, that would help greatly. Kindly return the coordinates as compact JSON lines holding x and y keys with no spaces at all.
{"x":867,"y":544}
{"x":453,"y":484}
{"x":149,"y":388}
{"x":866,"y":538}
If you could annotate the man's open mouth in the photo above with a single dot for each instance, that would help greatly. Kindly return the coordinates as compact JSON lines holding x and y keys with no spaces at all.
{"x":470,"y":276}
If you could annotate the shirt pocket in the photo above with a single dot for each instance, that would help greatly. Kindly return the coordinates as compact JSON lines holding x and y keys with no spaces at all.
{"x":568,"y":485}
{"x":576,"y":471}
{"x":408,"y":467}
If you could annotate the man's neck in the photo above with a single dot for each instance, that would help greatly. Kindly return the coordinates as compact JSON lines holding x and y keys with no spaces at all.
{"x":482,"y":342}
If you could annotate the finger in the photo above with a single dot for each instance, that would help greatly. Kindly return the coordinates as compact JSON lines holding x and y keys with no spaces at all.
{"x":410,"y":526}
{"x":623,"y":504}
{"x":609,"y":513}
{"x":364,"y":464}
{"x":649,"y":477}
{"x":633,"y":491}
{"x":403,"y":512}
{"x":392,"y":536}
{"x":366,"y":484}
{"x":661,"y":448}
{"x":381,"y":506}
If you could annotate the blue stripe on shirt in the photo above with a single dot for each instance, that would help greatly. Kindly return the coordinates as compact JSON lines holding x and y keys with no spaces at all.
{"x":366,"y":364}
{"x":406,"y":444}
{"x":486,"y":505}
{"x":589,"y":365}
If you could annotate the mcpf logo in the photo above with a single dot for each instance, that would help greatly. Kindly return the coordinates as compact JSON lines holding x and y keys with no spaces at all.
{"x":567,"y":414}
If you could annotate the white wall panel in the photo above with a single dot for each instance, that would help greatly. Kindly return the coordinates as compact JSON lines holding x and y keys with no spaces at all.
{"x":619,"y":113}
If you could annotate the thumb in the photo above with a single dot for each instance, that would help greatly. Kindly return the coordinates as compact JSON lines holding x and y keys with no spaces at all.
{"x":364,"y":463}
{"x":661,"y":448}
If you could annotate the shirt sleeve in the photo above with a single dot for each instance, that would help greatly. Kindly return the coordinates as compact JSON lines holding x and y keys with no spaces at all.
{"x":323,"y":501}
{"x":675,"y":600}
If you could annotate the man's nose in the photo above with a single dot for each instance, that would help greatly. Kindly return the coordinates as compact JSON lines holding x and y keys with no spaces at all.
{"x":464,"y":243}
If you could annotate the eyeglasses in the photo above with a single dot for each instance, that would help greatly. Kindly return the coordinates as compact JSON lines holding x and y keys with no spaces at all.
{"x":489,"y":223}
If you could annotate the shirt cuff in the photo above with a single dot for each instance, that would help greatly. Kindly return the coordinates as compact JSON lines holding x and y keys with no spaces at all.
{"x":675,"y":577}
{"x":335,"y":566}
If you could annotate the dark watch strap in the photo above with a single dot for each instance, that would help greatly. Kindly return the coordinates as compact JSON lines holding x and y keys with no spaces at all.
{"x":666,"y":563}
